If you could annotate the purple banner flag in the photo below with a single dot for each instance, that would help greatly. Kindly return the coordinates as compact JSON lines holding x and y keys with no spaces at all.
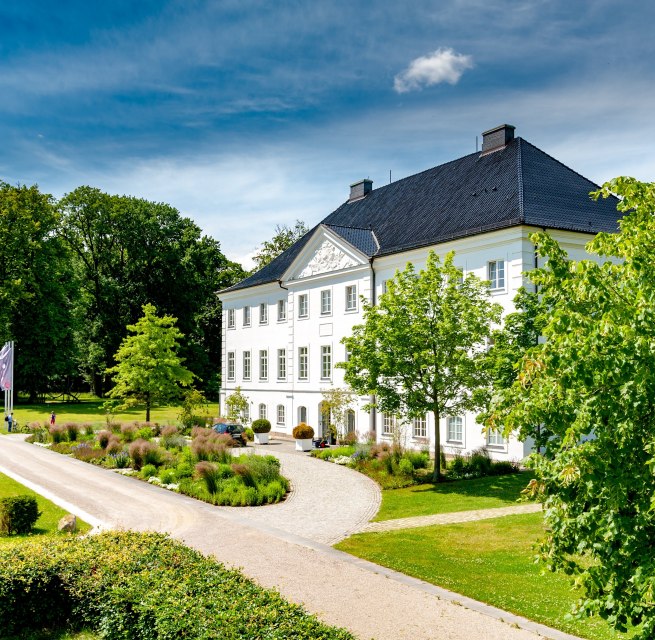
{"x":6,"y":368}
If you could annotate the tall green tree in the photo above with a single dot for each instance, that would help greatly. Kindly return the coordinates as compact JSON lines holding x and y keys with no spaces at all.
{"x":593,"y":383}
{"x":149,"y":371}
{"x":422,"y":348}
{"x":37,"y":290}
{"x":283,"y":238}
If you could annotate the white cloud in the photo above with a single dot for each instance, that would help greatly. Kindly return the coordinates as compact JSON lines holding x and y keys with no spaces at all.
{"x":442,"y":65}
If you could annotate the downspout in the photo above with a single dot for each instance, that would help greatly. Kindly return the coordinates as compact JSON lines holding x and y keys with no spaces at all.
{"x":372,"y":416}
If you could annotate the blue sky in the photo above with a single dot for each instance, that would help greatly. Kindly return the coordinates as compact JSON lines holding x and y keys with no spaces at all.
{"x":247,"y":114}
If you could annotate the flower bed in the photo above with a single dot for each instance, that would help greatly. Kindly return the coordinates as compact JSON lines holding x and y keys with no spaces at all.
{"x":202,"y":466}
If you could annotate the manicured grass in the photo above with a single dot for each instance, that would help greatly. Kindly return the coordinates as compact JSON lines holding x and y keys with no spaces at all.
{"x":447,"y":497}
{"x":50,"y":513}
{"x":89,"y":410}
{"x":489,"y":560}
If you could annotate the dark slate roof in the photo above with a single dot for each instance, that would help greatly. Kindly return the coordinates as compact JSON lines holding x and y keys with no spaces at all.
{"x":516,"y":185}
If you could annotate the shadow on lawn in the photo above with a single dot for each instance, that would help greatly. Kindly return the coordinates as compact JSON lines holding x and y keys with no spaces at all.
{"x":507,"y":487}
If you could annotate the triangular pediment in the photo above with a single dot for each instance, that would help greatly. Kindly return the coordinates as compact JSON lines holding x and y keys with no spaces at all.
{"x":324,"y":253}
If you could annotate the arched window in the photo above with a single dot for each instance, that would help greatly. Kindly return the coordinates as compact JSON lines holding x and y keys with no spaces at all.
{"x":350,"y":421}
{"x":302,"y":414}
{"x":280,"y":414}
{"x":262,"y":411}
{"x":323,"y":419}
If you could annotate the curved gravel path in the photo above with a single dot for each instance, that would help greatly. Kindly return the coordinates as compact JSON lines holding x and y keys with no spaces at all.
{"x":369,"y":600}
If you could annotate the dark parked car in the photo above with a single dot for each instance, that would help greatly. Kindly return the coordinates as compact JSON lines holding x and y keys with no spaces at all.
{"x":232,"y":429}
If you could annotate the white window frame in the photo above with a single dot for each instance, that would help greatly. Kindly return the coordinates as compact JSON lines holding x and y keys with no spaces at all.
{"x":246,"y":414}
{"x":455,"y":429}
{"x":281,"y":414}
{"x":263,"y":313}
{"x":351,"y":297}
{"x":351,"y":421}
{"x":263,"y":364}
{"x":231,"y":365}
{"x":303,"y":305}
{"x":262,"y":411}
{"x":246,"y":316}
{"x":231,"y":320}
{"x":302,"y":414}
{"x":420,"y":427}
{"x":247,"y":365}
{"x":281,"y":364}
{"x":281,"y":310}
{"x":326,"y":302}
{"x":495,"y":275}
{"x":388,"y":424}
{"x":495,"y":438}
{"x":303,"y":363}
{"x":326,"y":362}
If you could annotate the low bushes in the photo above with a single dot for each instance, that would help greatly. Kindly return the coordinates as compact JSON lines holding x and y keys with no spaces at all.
{"x":18,"y":514}
{"x":130,"y":586}
{"x":303,"y":432}
{"x":477,"y":465}
{"x":261,"y":425}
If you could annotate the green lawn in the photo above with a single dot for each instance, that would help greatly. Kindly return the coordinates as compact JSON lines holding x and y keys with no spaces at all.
{"x":50,"y":513}
{"x":489,"y":560}
{"x":446,"y":497}
{"x":89,"y":410}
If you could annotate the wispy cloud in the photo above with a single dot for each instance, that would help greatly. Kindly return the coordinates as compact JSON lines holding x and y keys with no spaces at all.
{"x":442,"y":65}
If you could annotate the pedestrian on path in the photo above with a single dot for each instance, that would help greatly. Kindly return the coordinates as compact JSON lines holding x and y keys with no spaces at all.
{"x":10,"y":422}
{"x":52,"y":419}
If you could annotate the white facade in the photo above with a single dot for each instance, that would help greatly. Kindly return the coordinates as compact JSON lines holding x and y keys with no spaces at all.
{"x":293,"y":338}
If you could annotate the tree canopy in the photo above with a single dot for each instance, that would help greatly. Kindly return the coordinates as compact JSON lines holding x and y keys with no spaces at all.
{"x":284,"y":237}
{"x":421,"y":349}
{"x":592,"y":382}
{"x":148,"y":371}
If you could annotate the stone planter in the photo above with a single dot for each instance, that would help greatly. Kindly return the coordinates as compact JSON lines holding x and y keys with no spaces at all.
{"x":261,"y":438}
{"x":304,"y":445}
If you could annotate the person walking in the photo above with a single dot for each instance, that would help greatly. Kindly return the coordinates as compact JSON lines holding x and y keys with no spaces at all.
{"x":10,"y":422}
{"x":52,"y":419}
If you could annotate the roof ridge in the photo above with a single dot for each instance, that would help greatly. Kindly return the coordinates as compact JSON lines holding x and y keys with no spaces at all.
{"x":347,"y":226}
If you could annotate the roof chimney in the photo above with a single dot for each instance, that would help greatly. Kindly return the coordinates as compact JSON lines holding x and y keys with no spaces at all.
{"x":497,"y":138}
{"x":361,"y":189}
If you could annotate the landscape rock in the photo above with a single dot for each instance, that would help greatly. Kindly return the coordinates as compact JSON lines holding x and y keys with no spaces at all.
{"x":68,"y":523}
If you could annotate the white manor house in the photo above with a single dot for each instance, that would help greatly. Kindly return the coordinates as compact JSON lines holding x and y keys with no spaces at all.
{"x":283,"y":325}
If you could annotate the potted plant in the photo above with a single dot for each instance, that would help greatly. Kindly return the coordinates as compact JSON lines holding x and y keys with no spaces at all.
{"x":303,"y":434}
{"x":261,"y":429}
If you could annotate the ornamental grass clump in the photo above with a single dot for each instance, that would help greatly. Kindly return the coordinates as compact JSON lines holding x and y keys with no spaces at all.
{"x":128,"y":432}
{"x":209,"y":474}
{"x":144,"y":452}
{"x":212,"y":446}
{"x":72,"y":431}
{"x":85,"y":452}
{"x":303,"y":432}
{"x":103,"y":438}
{"x":57,"y":434}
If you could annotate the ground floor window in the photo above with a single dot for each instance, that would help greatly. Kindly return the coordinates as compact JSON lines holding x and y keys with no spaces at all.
{"x":421,"y":427}
{"x":495,"y":438}
{"x":246,"y":414}
{"x":388,"y":424}
{"x":302,"y":414}
{"x":262,"y":411}
{"x":350,"y":421}
{"x":280,"y":414}
{"x":454,"y":428}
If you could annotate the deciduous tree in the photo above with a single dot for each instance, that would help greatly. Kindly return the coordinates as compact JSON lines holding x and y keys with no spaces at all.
{"x":422,"y":348}
{"x":593,"y":384}
{"x":284,"y":237}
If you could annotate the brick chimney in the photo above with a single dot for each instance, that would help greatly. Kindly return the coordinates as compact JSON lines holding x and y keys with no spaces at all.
{"x":497,"y":138}
{"x":361,"y":189}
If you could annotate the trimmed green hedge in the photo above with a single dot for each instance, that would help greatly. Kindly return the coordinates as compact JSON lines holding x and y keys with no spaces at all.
{"x":127,"y":585}
{"x":18,"y":514}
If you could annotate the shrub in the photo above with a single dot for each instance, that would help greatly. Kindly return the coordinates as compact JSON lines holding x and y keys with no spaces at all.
{"x":406,"y":467}
{"x":144,"y":452}
{"x":303,"y":432}
{"x":85,"y":452}
{"x":103,"y":438}
{"x":147,"y":471}
{"x":167,"y":476}
{"x":262,"y":425}
{"x":504,"y":467}
{"x":114,"y":445}
{"x":18,"y":514}
{"x":119,"y":460}
{"x":72,"y":431}
{"x":479,"y":463}
{"x":419,"y":460}
{"x":245,"y":473}
{"x":128,"y":431}
{"x":349,"y":438}
{"x":183,"y":469}
{"x":58,"y":434}
{"x":181,"y":594}
{"x":249,"y":434}
{"x":144,"y":433}
{"x":61,"y":447}
{"x":87,"y":427}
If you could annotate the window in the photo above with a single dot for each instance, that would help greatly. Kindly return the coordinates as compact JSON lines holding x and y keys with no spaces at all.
{"x":326,"y":302}
{"x":263,"y":313}
{"x":230,"y":319}
{"x":350,"y":421}
{"x":351,"y":298}
{"x":497,"y":274}
{"x":302,"y":414}
{"x":495,"y":438}
{"x":388,"y":424}
{"x":280,"y":414}
{"x":383,"y":286}
{"x":230,"y":365}
{"x":346,"y":354}
{"x":246,"y":365}
{"x":263,"y":365}
{"x":323,"y":419}
{"x":246,"y":414}
{"x":281,"y":310}
{"x":281,"y":364}
{"x":454,"y":426}
{"x":303,"y":305}
{"x":246,"y":316}
{"x":303,"y":363}
{"x":420,"y":427}
{"x":326,"y":362}
{"x":262,"y":411}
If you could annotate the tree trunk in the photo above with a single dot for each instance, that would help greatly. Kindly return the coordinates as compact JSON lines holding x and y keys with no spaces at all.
{"x":436,"y":476}
{"x":147,"y":407}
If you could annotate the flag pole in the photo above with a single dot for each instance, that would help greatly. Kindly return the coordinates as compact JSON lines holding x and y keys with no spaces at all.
{"x":11,"y":390}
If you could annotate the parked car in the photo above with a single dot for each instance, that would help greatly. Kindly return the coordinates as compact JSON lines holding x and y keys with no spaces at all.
{"x":236,"y":431}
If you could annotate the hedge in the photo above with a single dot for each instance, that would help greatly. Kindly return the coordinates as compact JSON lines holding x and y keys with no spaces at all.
{"x":18,"y":514}
{"x":127,"y":585}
